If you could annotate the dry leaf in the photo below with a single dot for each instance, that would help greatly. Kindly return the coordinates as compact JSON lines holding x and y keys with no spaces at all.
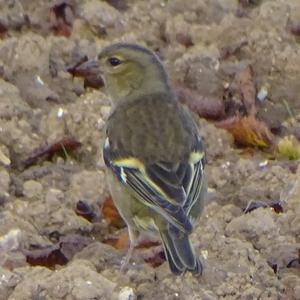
{"x":62,"y":17}
{"x":248,"y":131}
{"x":120,"y":242}
{"x":87,"y":69}
{"x":48,"y":257}
{"x":58,"y":254}
{"x":111,"y":213}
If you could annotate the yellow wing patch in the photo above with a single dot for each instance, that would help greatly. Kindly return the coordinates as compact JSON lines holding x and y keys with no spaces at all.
{"x":195,"y":156}
{"x":130,"y":162}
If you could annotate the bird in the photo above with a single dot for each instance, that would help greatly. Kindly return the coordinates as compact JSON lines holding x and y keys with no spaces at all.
{"x":154,"y":154}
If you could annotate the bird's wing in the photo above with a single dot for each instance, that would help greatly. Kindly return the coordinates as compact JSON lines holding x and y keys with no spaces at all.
{"x":169,"y":189}
{"x":193,"y":180}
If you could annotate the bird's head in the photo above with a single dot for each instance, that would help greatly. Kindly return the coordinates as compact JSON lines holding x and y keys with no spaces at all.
{"x":131,"y":70}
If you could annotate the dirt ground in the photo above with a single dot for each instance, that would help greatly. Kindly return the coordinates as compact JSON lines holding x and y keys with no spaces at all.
{"x":203,"y":43}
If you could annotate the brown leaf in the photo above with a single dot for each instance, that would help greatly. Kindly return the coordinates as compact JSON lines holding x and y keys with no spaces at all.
{"x":48,"y":257}
{"x":89,"y":70}
{"x":248,"y":131}
{"x":211,"y":108}
{"x":73,"y":68}
{"x":62,"y":17}
{"x":120,"y":242}
{"x":65,"y":144}
{"x":84,"y":67}
{"x":111,"y":213}
{"x":247,"y":89}
{"x":58,"y":254}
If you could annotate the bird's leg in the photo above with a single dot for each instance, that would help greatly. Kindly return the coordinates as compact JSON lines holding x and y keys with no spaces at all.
{"x":133,"y":242}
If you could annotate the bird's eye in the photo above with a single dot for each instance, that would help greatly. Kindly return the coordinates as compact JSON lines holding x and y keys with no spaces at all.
{"x":114,"y":61}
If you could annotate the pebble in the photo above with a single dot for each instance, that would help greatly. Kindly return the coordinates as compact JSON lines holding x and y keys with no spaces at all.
{"x":32,"y":189}
{"x":262,"y":94}
{"x":4,"y":182}
{"x":127,"y":293}
{"x":105,"y":111}
{"x":4,"y":156}
{"x":11,"y":240}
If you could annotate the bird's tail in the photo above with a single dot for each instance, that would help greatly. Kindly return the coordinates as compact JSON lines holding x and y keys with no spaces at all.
{"x":179,"y":253}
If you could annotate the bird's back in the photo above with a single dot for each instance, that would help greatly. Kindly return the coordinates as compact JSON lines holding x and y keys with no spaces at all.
{"x":170,"y":137}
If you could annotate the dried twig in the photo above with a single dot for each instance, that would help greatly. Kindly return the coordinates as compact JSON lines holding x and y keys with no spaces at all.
{"x":65,"y":144}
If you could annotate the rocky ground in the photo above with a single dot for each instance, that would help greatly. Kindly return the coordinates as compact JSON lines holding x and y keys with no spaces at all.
{"x":52,"y":246}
